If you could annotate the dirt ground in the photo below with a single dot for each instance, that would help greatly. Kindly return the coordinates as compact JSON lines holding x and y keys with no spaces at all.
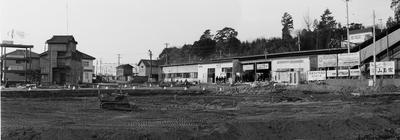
{"x":287,"y":115}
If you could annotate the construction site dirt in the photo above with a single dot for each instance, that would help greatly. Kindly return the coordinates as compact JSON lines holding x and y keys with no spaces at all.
{"x":288,"y":115}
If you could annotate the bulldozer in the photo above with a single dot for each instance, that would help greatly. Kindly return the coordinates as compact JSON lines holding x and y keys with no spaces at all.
{"x":112,"y":98}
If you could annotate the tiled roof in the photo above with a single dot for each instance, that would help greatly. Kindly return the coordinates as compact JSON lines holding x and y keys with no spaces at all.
{"x":146,"y":62}
{"x":125,"y":66}
{"x":85,"y":56}
{"x":21,"y":54}
{"x":61,"y":39}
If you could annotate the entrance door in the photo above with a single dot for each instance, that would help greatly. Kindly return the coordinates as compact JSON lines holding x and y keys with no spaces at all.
{"x":210,"y":75}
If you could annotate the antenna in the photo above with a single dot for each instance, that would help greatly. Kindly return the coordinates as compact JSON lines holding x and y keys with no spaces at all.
{"x":66,"y":15}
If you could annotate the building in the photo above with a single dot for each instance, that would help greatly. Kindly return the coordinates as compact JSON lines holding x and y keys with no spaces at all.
{"x":149,"y":68}
{"x":296,"y":67}
{"x":124,"y":72}
{"x":63,"y":64}
{"x":88,"y":67}
{"x":361,"y":35}
{"x":21,"y":66}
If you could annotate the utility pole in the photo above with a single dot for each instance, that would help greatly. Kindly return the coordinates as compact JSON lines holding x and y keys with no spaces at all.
{"x":119,"y":59}
{"x":298,"y":41}
{"x":100,"y":67}
{"x":151,"y":66}
{"x":374,"y":38}
{"x":348,"y":26}
{"x":220,"y":54}
{"x":166,"y":53}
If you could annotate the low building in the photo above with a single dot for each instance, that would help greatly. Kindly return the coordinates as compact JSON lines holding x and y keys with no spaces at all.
{"x":124,"y":72}
{"x":63,"y":64}
{"x":21,"y":66}
{"x":149,"y":68}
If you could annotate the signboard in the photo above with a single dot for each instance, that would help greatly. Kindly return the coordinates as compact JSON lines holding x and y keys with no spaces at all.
{"x":15,"y":68}
{"x":342,"y":73}
{"x":327,"y":60}
{"x":355,"y":72}
{"x":349,"y":59}
{"x":316,"y":75}
{"x":248,"y":67}
{"x":383,"y":68}
{"x":331,"y":73}
{"x":263,"y":66}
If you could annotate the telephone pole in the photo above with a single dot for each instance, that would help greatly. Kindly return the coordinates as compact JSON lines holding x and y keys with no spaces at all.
{"x":348,"y":30}
{"x":374,"y":39}
{"x":119,"y":59}
{"x":166,"y":53}
{"x":151,"y":66}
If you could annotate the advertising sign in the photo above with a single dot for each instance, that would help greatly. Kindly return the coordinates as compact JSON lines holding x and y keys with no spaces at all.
{"x":331,"y":73}
{"x":342,"y":73}
{"x":383,"y":68}
{"x":355,"y":72}
{"x":263,"y":66}
{"x":327,"y":60}
{"x":316,"y":75}
{"x":349,"y":59}
{"x":15,"y":68}
{"x":248,"y":67}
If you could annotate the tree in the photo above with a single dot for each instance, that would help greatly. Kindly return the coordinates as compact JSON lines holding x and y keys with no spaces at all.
{"x":287,"y":23}
{"x":206,"y":35}
{"x":395,"y":5}
{"x":326,"y":30}
{"x":225,"y":34}
{"x":390,"y":23}
{"x":205,"y":46}
{"x":226,"y":41}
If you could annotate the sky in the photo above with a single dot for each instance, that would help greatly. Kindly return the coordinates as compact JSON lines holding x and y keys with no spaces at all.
{"x":105,"y":28}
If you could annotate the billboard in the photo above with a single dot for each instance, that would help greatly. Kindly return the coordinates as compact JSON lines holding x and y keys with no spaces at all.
{"x":342,"y":73}
{"x":355,"y":72}
{"x":383,"y":68}
{"x":248,"y":67}
{"x":349,"y":59}
{"x":263,"y":66}
{"x":316,"y":75}
{"x":331,"y":73}
{"x":327,"y":60}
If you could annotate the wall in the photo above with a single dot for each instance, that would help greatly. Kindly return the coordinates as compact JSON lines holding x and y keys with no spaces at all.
{"x":202,"y":70}
{"x":301,"y":64}
{"x":180,"y":69}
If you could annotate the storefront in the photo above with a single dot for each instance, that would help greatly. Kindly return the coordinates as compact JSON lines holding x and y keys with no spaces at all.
{"x":299,"y":65}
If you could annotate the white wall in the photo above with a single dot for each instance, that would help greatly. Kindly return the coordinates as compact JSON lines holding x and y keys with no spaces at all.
{"x":202,"y":68}
{"x":180,"y":69}
{"x":297,"y":64}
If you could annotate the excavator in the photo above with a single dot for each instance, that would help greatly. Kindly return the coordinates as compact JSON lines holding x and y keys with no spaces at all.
{"x":111,"y":98}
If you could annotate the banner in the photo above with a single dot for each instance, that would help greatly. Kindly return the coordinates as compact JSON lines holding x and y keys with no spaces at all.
{"x":263,"y":66}
{"x":383,"y":68}
{"x":316,"y":75}
{"x":355,"y":72}
{"x":349,"y":59}
{"x":327,"y":60}
{"x":331,"y":73}
{"x":248,"y":67}
{"x":342,"y":73}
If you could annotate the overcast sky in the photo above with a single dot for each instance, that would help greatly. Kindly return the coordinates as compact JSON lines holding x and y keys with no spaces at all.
{"x":105,"y":28}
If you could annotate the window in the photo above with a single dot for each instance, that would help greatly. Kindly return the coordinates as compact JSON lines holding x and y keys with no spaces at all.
{"x":179,"y":75}
{"x":86,"y":64}
{"x":186,"y":75}
{"x":194,"y":75}
{"x":87,"y":76}
{"x":19,"y":61}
